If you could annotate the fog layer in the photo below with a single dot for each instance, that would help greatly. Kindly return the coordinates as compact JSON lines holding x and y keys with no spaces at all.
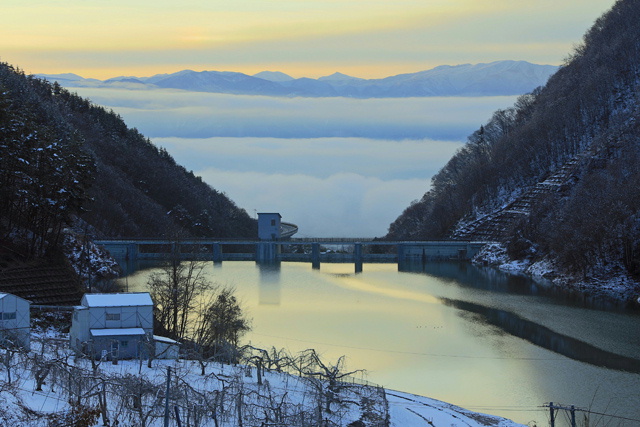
{"x":333,"y":166}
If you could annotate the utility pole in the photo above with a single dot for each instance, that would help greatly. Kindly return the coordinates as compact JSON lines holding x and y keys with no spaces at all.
{"x":571,"y":409}
{"x":166,"y":398}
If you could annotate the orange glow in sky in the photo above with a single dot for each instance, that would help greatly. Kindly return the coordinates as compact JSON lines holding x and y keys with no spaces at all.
{"x":365,"y":38}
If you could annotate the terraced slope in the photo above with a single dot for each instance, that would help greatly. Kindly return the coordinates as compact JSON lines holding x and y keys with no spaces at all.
{"x":499,"y":225}
{"x":42,"y":283}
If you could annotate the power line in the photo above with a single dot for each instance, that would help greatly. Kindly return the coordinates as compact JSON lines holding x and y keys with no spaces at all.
{"x":572,"y":410}
{"x":411,"y":353}
{"x":471,"y":408}
{"x":505,"y":409}
{"x":609,"y":415}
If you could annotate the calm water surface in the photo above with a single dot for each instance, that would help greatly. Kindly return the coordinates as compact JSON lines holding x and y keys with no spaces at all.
{"x":473,"y":337}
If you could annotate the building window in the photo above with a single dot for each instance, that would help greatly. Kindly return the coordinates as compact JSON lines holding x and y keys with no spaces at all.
{"x":124,"y":343}
{"x":113,"y":316}
{"x":9,"y":316}
{"x":273,"y":222}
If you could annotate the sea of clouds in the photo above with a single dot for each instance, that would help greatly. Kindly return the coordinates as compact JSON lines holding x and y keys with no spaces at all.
{"x":333,"y":166}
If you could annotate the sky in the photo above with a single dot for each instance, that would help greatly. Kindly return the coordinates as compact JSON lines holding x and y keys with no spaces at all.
{"x":311,"y":38}
{"x":335,"y":167}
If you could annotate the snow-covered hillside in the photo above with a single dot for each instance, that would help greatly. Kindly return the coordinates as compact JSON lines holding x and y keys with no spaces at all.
{"x":49,"y":386}
{"x":555,"y":177}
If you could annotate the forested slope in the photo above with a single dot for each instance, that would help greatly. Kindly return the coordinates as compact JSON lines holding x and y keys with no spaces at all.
{"x":67,"y":162}
{"x":582,"y":126}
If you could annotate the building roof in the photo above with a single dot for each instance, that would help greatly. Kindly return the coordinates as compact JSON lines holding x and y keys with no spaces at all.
{"x":116,"y":332}
{"x":4,"y":294}
{"x":165,"y":339}
{"x":117,"y":300}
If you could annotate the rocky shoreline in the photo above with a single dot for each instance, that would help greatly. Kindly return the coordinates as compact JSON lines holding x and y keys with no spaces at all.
{"x":615,"y":289}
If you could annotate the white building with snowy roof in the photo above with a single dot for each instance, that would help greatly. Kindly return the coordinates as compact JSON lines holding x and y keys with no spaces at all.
{"x":15,"y":320}
{"x":116,"y":326}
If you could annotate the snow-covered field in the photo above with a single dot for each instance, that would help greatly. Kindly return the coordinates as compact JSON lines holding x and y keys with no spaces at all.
{"x":410,"y":410}
{"x":76,"y":392}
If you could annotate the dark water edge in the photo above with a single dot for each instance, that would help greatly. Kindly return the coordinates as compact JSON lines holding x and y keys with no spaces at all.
{"x":467,"y":275}
{"x":494,"y":280}
{"x":546,"y":338}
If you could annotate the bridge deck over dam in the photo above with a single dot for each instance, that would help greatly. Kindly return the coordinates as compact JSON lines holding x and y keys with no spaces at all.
{"x":314,"y":250}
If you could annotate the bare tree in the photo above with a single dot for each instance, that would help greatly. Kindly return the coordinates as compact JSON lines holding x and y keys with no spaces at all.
{"x":41,"y":369}
{"x":140,"y":397}
{"x":175,"y":290}
{"x":218,"y":327}
{"x":277,"y":360}
{"x":10,"y":347}
{"x":330,"y":377}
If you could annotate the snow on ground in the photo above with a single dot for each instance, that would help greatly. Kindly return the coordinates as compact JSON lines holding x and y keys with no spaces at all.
{"x":89,"y":260}
{"x":411,"y":410}
{"x":405,"y":410}
{"x":201,"y":397}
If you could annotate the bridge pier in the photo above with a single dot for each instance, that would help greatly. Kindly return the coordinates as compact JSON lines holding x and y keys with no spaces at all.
{"x":315,"y":256}
{"x":402,"y":260}
{"x":267,"y":252}
{"x":132,"y":252}
{"x":217,"y":253}
{"x":357,"y":254}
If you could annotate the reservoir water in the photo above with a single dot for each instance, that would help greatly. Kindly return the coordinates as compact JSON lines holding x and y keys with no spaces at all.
{"x":470,"y":336}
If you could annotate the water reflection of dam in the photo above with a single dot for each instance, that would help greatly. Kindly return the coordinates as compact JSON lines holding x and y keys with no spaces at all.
{"x":270,"y":287}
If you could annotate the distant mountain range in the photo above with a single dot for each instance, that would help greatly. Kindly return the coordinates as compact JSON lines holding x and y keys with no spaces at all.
{"x":495,"y":78}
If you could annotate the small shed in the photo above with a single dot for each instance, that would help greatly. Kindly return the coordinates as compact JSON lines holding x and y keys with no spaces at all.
{"x":166,"y":348}
{"x":269,"y":226}
{"x":15,"y":321}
